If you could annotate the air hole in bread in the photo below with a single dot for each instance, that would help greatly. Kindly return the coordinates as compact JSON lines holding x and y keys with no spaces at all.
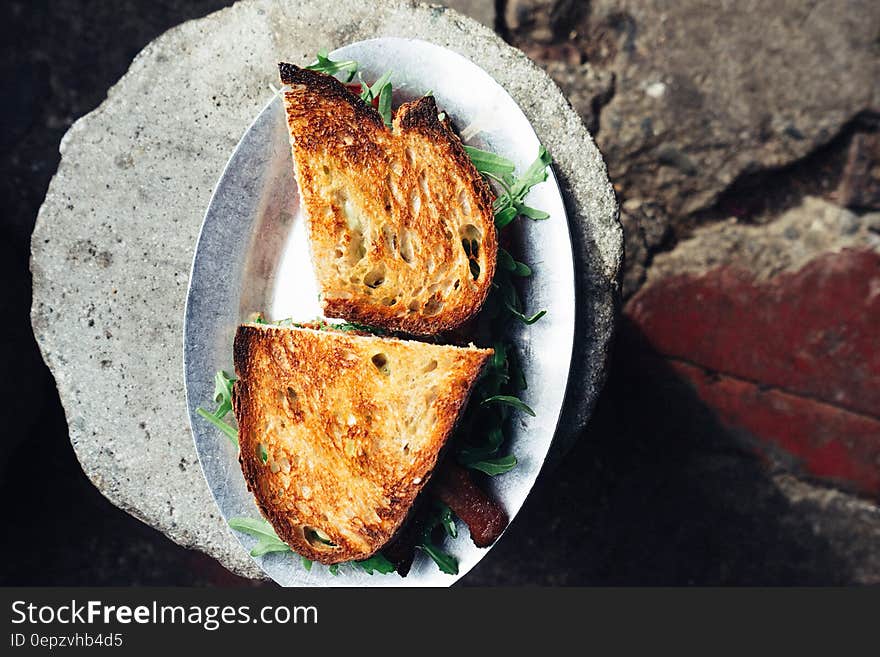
{"x":380,"y":361}
{"x":429,"y":264}
{"x":326,"y":170}
{"x":413,"y":305}
{"x":423,"y":182}
{"x":464,"y":203}
{"x":376,"y":276}
{"x":470,"y":232}
{"x":410,"y":155}
{"x":407,"y":249}
{"x":433,"y":306}
{"x":390,"y":236}
{"x":317,"y":539}
{"x":415,"y":202}
{"x":430,"y":367}
{"x":456,"y":285}
{"x":475,"y":268}
{"x":389,"y":301}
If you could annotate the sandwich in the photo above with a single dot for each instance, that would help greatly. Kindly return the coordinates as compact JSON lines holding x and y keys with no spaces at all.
{"x":339,"y":432}
{"x":342,"y":430}
{"x":400,"y":221}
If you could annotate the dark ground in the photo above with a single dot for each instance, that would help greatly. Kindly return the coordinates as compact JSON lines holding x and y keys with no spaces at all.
{"x":657,"y":492}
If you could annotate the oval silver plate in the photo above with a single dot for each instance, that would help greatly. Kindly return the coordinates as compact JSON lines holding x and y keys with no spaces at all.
{"x":252,"y":255}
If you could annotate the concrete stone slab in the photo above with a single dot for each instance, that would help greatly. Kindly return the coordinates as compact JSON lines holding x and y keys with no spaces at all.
{"x":114,"y":238}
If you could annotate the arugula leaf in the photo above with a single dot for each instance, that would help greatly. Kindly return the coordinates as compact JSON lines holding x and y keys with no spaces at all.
{"x":536,"y":173}
{"x":447,"y":520}
{"x":489,"y":163}
{"x":445,"y":562}
{"x":333,"y":569}
{"x":385,"y":105}
{"x":260,"y":529}
{"x":330,"y":67}
{"x":231,"y":432}
{"x":505,"y":260}
{"x":508,"y":400}
{"x":496,"y":437}
{"x":264,"y":455}
{"x":268,"y":540}
{"x":522,"y":270}
{"x":377,"y":563}
{"x":368,"y":93}
{"x":504,"y":217}
{"x":266,"y":546}
{"x":494,"y":466}
{"x":306,"y":562}
{"x":528,"y":321}
{"x":532,"y":213}
{"x":223,"y":395}
{"x":499,"y":359}
{"x":354,"y":326}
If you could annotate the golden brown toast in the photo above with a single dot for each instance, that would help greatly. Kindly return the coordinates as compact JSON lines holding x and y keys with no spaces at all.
{"x":400,"y":222}
{"x":339,"y":433}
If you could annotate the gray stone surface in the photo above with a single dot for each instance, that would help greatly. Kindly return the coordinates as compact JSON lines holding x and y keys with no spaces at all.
{"x":813,"y":228}
{"x":114,"y":238}
{"x":480,"y":10}
{"x":702,"y":94}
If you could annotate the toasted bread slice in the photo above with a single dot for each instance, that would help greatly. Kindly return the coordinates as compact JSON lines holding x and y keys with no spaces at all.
{"x":400,"y":222}
{"x":338,"y":433}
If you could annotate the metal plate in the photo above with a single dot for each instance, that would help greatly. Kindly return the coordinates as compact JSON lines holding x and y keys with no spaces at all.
{"x":252,"y":255}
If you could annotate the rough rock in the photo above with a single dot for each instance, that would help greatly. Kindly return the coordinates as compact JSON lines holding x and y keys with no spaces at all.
{"x":774,"y":327}
{"x":814,"y":227}
{"x":480,"y":10}
{"x":860,"y":184}
{"x":703,"y":97}
{"x":114,"y":238}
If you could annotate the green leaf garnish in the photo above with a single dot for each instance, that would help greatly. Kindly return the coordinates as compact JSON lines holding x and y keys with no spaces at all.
{"x":504,"y":217}
{"x":445,"y":562}
{"x":377,"y":563}
{"x":265,"y":547}
{"x":260,"y":529}
{"x":333,"y":569}
{"x":447,"y":520}
{"x":499,"y":359}
{"x":231,"y":432}
{"x":267,"y":539}
{"x":264,"y":455}
{"x":532,"y":213}
{"x":528,"y":321}
{"x":385,"y":105}
{"x":505,"y":260}
{"x":330,"y":67}
{"x":522,"y":269}
{"x":489,"y":163}
{"x":306,"y":562}
{"x":368,"y":93}
{"x":223,"y":393}
{"x":509,"y":400}
{"x":494,"y":466}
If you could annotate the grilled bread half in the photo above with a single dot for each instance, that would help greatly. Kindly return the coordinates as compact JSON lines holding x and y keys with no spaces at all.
{"x":400,"y":222}
{"x":339,"y":432}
